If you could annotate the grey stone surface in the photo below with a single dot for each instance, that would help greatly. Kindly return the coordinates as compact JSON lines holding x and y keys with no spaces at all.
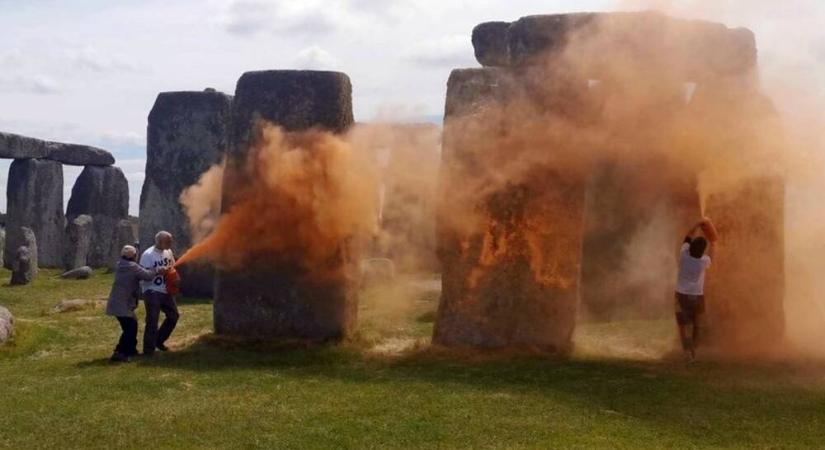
{"x":490,"y":43}
{"x":124,"y":235}
{"x":527,"y":295}
{"x":81,"y":273}
{"x":103,"y":194}
{"x":25,"y":263}
{"x":21,"y":147}
{"x":187,"y":135}
{"x":6,"y":325}
{"x":643,"y":39}
{"x":79,"y":232}
{"x":269,"y":300}
{"x":81,"y":155}
{"x":79,"y":304}
{"x":35,"y":200}
{"x":2,"y":245}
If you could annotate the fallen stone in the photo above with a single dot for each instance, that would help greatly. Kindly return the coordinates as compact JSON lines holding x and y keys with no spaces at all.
{"x":79,"y":233}
{"x":103,"y":194}
{"x":77,"y":305}
{"x":35,"y":200}
{"x":21,"y":147}
{"x":81,"y":273}
{"x":276,"y":302}
{"x":6,"y":325}
{"x":187,"y":135}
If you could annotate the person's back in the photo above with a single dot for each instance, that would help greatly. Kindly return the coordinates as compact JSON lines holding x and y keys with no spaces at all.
{"x":691,"y":278}
{"x":690,"y":284}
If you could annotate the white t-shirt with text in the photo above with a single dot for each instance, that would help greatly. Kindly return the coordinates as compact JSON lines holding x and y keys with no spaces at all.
{"x":691,"y":279}
{"x":153,"y":258}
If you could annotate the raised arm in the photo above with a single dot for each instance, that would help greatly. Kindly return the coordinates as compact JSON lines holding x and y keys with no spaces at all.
{"x":689,"y":235}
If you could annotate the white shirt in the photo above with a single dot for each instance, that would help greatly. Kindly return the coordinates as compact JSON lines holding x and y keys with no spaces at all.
{"x":691,"y":279}
{"x":153,"y":258}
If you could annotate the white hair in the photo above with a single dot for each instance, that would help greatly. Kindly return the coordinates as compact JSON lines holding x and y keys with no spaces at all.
{"x":128,"y":252}
{"x":162,"y":235}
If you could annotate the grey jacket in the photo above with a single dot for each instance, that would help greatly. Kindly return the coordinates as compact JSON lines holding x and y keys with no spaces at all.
{"x":124,"y":295}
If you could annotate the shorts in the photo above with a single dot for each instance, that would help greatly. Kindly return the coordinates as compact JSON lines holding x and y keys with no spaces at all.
{"x":688,"y":307}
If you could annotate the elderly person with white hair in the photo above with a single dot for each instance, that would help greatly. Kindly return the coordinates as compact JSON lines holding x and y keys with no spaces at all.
{"x":123,"y":300}
{"x":156,"y":296}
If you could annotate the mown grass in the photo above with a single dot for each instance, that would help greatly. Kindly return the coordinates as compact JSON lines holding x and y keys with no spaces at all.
{"x":385,"y":389}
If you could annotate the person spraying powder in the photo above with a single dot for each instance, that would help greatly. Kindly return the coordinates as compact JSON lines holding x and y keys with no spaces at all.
{"x":694,"y":260}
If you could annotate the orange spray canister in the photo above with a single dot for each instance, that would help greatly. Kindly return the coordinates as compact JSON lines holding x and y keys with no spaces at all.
{"x":172,"y":282}
{"x":709,"y":230}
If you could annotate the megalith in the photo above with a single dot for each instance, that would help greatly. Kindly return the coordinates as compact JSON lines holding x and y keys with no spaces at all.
{"x":35,"y":200}
{"x":78,"y":241}
{"x":186,"y":136}
{"x":103,"y":194}
{"x":24,"y":265}
{"x":511,"y":251}
{"x":262,"y":299}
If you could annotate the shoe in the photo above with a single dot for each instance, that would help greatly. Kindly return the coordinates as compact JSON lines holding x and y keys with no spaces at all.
{"x":118,"y":358}
{"x":146,"y":354}
{"x":163,"y":348}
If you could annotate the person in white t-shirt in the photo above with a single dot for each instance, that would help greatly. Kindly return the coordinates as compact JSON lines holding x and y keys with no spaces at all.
{"x":690,"y":284}
{"x":156,"y":297}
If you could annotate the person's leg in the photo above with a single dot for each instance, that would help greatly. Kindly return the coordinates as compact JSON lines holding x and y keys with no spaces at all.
{"x":150,"y":334}
{"x":681,"y":322}
{"x":130,"y":332}
{"x":122,"y":342}
{"x":170,"y":309}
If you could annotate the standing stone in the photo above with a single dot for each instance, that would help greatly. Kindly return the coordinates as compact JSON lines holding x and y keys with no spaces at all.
{"x":35,"y":200}
{"x":103,"y":194}
{"x":2,"y":245}
{"x":510,"y":257}
{"x":124,"y":235}
{"x":745,"y":286}
{"x":186,"y":136}
{"x":24,"y":265}
{"x":78,"y":241}
{"x":6,"y":325}
{"x":265,"y":300}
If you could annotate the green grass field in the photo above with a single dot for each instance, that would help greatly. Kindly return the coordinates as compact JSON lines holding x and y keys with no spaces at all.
{"x":385,"y":389}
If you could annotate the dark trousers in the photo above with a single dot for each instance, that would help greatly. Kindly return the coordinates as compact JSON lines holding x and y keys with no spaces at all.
{"x":127,"y":345}
{"x":155,"y":303}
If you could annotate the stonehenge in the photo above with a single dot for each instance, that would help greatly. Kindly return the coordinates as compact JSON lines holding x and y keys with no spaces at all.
{"x":186,"y":136}
{"x":35,"y":201}
{"x":24,"y":264}
{"x":103,"y":194}
{"x":596,"y":74}
{"x":266,"y":299}
{"x":78,"y":241}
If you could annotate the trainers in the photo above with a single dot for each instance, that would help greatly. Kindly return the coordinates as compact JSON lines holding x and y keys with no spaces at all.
{"x":163,"y":348}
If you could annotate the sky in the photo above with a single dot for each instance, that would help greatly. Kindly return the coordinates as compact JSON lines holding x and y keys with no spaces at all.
{"x":88,"y":71}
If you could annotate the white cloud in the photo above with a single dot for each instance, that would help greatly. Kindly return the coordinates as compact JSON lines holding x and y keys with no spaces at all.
{"x":90,"y":58}
{"x":315,"y":58}
{"x":449,"y":51}
{"x":29,"y":84}
{"x":255,"y":17}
